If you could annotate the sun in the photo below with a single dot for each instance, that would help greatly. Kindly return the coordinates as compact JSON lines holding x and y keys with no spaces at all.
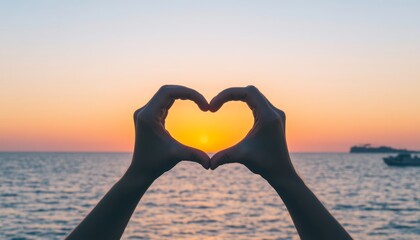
{"x":206,"y":131}
{"x":204,"y":139}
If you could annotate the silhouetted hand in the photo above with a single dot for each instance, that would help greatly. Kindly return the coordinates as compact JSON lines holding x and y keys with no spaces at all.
{"x":264,"y":149}
{"x":155,"y":151}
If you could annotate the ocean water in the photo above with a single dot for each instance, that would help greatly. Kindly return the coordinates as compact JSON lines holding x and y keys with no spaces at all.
{"x":45,"y":195}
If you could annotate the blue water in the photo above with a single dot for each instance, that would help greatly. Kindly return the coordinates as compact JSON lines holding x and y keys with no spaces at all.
{"x":45,"y":195}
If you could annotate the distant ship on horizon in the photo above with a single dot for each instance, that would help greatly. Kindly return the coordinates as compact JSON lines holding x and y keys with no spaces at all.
{"x":368,"y":148}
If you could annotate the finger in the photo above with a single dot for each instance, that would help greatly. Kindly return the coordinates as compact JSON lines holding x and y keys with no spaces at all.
{"x":228,"y":155}
{"x":195,"y":155}
{"x":135,"y":115}
{"x":167,"y":94}
{"x":165,"y":112}
{"x":251,"y":95}
{"x":280,"y":113}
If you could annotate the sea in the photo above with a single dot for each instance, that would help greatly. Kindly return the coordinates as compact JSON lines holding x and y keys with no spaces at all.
{"x":45,"y":195}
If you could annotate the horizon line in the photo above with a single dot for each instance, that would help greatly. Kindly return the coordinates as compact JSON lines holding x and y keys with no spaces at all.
{"x":29,"y":151}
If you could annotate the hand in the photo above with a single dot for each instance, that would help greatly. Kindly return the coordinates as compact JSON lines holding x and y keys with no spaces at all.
{"x":155,"y":151}
{"x":264,"y":149}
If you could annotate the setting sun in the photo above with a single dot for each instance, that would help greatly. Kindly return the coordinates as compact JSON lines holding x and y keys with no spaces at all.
{"x":204,"y":139}
{"x":209,"y":131}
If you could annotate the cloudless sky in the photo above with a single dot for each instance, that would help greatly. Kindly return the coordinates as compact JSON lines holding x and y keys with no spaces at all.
{"x":72,"y":72}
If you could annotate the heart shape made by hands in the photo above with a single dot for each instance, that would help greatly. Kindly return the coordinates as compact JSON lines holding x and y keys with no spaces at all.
{"x":207,"y":131}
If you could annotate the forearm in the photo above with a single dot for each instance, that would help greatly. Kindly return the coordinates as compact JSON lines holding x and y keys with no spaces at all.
{"x":111,"y":215}
{"x":311,"y":218}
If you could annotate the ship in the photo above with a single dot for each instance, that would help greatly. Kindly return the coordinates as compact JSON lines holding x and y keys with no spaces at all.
{"x":402,"y":159}
{"x":368,"y":148}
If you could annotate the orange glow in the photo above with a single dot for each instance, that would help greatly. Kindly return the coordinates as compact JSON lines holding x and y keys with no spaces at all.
{"x":72,"y":83}
{"x":209,"y":131}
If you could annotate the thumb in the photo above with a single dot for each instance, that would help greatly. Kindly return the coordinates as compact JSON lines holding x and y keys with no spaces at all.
{"x":228,"y":155}
{"x":195,"y":155}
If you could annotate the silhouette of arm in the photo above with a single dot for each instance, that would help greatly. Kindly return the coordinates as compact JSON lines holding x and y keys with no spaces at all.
{"x":312,"y":220}
{"x":155,"y":152}
{"x":264,"y":151}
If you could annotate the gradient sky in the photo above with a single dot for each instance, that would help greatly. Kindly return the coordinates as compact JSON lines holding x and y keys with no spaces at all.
{"x":72,"y":72}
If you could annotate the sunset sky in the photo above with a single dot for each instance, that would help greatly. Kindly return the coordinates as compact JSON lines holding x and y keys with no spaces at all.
{"x":73,"y":72}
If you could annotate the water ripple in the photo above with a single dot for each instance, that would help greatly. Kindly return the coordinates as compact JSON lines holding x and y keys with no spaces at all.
{"x":44,"y":195}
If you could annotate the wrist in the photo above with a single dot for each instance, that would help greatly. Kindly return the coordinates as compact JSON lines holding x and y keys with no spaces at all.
{"x":285,"y":182}
{"x":138,"y":169}
{"x":137,"y":178}
{"x":282,"y":171}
